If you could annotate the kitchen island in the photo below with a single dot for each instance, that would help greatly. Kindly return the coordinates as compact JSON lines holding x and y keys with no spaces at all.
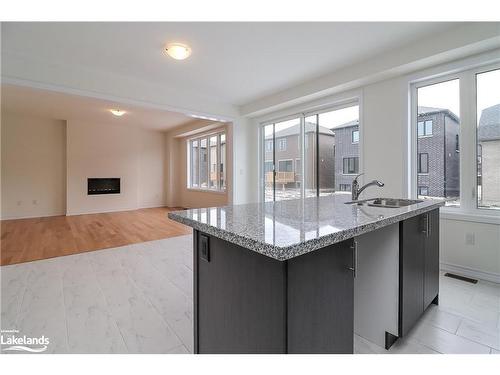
{"x":301,"y":276}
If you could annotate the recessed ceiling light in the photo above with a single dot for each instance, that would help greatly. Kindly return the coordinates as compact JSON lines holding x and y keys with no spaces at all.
{"x":178,"y":51}
{"x":117,"y":112}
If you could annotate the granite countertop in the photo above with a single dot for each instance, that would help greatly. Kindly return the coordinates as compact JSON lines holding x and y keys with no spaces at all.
{"x":286,"y":229}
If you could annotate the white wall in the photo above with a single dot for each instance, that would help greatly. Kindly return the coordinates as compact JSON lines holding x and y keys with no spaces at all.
{"x":133,"y":154}
{"x":33,"y":166}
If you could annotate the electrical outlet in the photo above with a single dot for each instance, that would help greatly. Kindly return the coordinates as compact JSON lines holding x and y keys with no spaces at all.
{"x":470,"y":238}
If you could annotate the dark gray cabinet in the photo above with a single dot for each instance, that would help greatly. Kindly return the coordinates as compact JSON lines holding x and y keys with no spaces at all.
{"x":418,"y":267}
{"x":245,"y":302}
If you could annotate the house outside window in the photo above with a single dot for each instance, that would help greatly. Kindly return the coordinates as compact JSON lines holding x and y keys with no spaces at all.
{"x":423,"y":163}
{"x":282,"y":144}
{"x":355,"y":136}
{"x":285,"y":165}
{"x":351,"y":165}
{"x":269,"y":146}
{"x":206,"y":162}
{"x":423,"y":190}
{"x":424,"y":128}
{"x":345,"y":187}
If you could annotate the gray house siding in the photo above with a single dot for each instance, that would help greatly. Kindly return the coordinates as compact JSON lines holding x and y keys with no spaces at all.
{"x":443,"y":176}
{"x":344,"y":148}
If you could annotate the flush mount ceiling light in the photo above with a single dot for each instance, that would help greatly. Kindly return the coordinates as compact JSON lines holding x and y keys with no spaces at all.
{"x":178,"y":51}
{"x":117,"y":112}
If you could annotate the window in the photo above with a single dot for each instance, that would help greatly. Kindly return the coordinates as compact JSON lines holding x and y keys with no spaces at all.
{"x":351,"y":165}
{"x":282,"y":144}
{"x":315,"y":168}
{"x":207,"y":162}
{"x":222,"y":161}
{"x":424,"y":128}
{"x":488,"y":139}
{"x":355,"y":136}
{"x":473,"y":186}
{"x":423,"y":163}
{"x":423,"y":190}
{"x":269,"y":145}
{"x":345,"y":187}
{"x":285,"y":166}
{"x":438,"y":109}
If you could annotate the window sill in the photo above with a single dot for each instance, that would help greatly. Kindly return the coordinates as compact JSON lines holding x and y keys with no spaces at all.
{"x":454,"y":214}
{"x":207,"y":190}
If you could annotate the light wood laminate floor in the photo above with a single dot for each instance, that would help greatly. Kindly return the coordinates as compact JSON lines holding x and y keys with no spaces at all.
{"x":25,"y":240}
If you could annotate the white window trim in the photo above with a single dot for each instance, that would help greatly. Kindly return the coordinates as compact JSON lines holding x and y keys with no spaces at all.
{"x":468,"y":209}
{"x":206,"y":136}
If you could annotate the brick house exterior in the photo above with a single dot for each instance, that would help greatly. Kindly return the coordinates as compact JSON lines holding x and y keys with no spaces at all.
{"x":438,"y":173}
{"x":345,"y":148}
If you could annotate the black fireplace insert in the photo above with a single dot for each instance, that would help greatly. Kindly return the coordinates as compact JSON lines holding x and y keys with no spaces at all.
{"x":103,"y":186}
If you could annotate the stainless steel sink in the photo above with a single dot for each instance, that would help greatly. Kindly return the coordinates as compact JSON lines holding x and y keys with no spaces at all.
{"x":386,"y":202}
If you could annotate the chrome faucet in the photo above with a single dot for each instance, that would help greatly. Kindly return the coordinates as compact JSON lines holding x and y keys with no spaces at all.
{"x":356,"y":190}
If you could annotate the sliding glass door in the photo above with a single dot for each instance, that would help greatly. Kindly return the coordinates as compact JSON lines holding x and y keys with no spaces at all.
{"x":300,"y":154}
{"x":282,"y":160}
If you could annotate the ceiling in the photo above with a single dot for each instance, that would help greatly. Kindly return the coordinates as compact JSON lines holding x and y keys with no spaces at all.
{"x":233,"y":62}
{"x":55,"y":105}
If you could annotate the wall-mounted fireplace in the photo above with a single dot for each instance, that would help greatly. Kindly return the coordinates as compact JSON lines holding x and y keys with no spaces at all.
{"x":97,"y":186}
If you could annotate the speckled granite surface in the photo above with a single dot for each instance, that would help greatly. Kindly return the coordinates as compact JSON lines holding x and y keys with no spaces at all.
{"x":286,"y":229}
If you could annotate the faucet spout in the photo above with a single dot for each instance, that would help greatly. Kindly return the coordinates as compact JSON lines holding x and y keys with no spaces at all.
{"x":356,"y":190}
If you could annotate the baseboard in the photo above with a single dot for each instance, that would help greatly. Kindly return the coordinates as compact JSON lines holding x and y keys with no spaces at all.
{"x":113,"y":210}
{"x":20,"y":217}
{"x":471,"y":272}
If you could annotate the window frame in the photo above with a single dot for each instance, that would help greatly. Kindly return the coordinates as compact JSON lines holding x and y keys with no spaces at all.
{"x":344,"y":100}
{"x":218,"y":153}
{"x":468,"y":209}
{"x":354,"y":161}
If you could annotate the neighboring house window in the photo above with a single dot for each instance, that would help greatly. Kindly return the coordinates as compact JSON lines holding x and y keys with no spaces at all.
{"x":345,"y":187}
{"x":423,"y":190}
{"x":206,"y":162}
{"x":355,"y":136}
{"x":282,"y":144}
{"x":423,"y":163}
{"x":269,"y":145}
{"x":268,"y":166}
{"x":351,"y":165}
{"x":457,"y":145}
{"x":424,"y":128}
{"x":285,"y":165}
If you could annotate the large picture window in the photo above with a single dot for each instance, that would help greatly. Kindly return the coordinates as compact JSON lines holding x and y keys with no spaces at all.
{"x":207,"y":162}
{"x":462,"y":165}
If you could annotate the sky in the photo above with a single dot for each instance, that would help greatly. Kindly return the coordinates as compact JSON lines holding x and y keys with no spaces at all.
{"x":446,"y":94}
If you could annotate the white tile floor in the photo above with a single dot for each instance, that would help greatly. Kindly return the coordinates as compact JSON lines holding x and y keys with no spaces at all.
{"x":138,"y":299}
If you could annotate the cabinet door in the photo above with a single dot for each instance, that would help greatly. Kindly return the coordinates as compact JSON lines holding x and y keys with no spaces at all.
{"x":411,"y":275}
{"x":321,"y":301}
{"x":431,"y":258}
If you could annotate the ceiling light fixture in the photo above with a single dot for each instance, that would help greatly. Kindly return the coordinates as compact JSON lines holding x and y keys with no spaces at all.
{"x":117,"y":112}
{"x":178,"y":51}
